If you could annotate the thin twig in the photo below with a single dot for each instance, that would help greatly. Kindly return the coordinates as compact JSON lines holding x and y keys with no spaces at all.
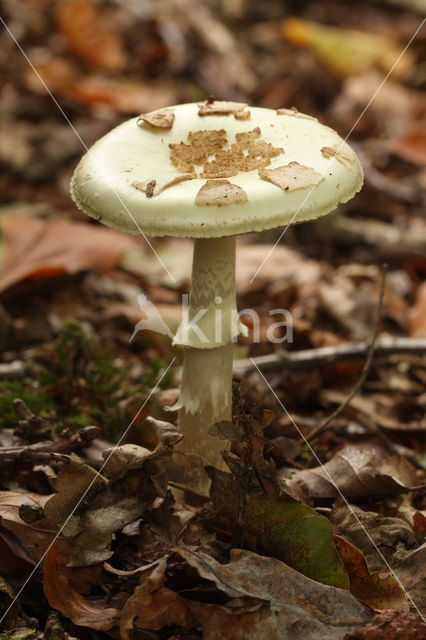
{"x":324,"y":356}
{"x":324,"y":424}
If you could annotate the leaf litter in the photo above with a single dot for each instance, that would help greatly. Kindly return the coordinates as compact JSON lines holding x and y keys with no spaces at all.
{"x":258,"y":559}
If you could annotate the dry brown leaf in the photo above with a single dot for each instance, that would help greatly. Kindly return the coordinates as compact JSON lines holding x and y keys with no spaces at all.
{"x":220,"y":193}
{"x":121,"y":94}
{"x":359,"y":472}
{"x":411,"y":572}
{"x":392,"y":536}
{"x":411,"y":147}
{"x":90,"y":34}
{"x":62,"y":597}
{"x":37,"y":536}
{"x":376,"y":590}
{"x":162,"y":119}
{"x":37,"y":249}
{"x":292,"y":176}
{"x":153,"y":607}
{"x":265,"y":599}
{"x":72,"y":483}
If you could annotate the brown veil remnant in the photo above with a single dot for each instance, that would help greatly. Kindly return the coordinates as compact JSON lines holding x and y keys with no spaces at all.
{"x":211,"y":171}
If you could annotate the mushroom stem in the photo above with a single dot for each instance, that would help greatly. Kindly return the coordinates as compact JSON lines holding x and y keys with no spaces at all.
{"x":207,"y":335}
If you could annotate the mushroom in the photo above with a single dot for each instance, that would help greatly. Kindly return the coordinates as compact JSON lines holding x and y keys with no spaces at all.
{"x":211,"y":171}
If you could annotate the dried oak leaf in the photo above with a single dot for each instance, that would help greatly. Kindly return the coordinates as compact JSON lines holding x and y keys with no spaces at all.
{"x":121,"y":94}
{"x":378,"y":591}
{"x":77,"y":481}
{"x":411,"y":572}
{"x":292,"y":176}
{"x":38,"y":249}
{"x":160,"y":119}
{"x":133,"y":486}
{"x":220,"y":193}
{"x":62,"y":597}
{"x":90,"y":34}
{"x":249,"y":597}
{"x":389,"y":534}
{"x":358,"y":471}
{"x":411,"y":147}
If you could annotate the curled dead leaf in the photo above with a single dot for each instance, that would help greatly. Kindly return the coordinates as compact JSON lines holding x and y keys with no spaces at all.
{"x":220,"y":193}
{"x":359,"y":472}
{"x":118,"y":460}
{"x":250,"y":596}
{"x":392,"y":536}
{"x":75,"y":481}
{"x":90,"y":34}
{"x":38,"y":249}
{"x":292,"y":176}
{"x":378,"y":591}
{"x":62,"y":597}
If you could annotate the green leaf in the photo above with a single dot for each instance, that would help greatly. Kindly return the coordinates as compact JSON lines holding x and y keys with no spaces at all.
{"x":295,"y":534}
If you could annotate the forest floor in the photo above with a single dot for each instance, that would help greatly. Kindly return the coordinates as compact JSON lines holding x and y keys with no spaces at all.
{"x":318,"y":529}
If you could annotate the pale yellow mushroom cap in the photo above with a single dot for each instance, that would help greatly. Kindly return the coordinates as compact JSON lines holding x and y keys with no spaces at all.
{"x":216,"y":169}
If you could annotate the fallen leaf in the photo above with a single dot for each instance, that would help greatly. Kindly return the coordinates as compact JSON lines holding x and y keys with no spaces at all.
{"x":76,"y":482}
{"x":376,"y":590}
{"x":62,"y":597}
{"x":358,"y":472}
{"x":411,"y":147}
{"x":359,"y":51}
{"x":292,"y":176}
{"x":124,"y":95}
{"x":153,"y":607}
{"x":411,"y":572}
{"x":37,"y":249}
{"x":135,"y":481}
{"x":392,"y":536}
{"x":90,"y":34}
{"x":282,"y":528}
{"x":250,"y":596}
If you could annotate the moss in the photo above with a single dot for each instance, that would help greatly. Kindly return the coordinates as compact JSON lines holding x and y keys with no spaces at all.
{"x":78,"y":383}
{"x":37,"y":402}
